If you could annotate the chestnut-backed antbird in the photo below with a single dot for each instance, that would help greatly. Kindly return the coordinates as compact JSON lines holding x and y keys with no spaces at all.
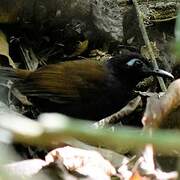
{"x":84,"y":89}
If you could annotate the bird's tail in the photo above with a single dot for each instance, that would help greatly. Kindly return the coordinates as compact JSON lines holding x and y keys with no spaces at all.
{"x":17,"y":76}
{"x":13,"y":74}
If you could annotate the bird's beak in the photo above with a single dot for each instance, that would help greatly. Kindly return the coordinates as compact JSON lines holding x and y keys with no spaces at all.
{"x":160,"y":72}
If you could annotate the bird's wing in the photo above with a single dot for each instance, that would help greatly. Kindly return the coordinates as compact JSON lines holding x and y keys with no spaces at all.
{"x":66,"y":82}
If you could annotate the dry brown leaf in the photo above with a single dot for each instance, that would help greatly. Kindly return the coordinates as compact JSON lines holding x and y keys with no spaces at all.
{"x":158,"y":109}
{"x":88,"y":163}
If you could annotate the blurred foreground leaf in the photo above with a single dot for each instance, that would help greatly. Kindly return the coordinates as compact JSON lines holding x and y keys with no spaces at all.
{"x":177,"y":32}
{"x":54,"y":129}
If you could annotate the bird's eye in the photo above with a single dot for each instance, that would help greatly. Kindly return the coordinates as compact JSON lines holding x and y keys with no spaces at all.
{"x":135,"y":63}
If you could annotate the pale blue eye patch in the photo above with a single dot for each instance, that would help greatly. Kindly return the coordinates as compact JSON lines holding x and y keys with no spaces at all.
{"x":132,"y":62}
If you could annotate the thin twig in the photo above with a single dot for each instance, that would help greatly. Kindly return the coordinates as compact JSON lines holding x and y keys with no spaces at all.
{"x":118,"y":116}
{"x":147,"y":43}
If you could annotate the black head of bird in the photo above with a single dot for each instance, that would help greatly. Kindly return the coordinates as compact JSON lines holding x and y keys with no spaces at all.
{"x":132,"y":68}
{"x":84,"y":89}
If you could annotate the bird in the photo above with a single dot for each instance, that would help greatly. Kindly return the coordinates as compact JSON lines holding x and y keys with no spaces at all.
{"x":85,"y":89}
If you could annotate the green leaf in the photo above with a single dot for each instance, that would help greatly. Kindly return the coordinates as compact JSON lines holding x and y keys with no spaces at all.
{"x":177,"y":33}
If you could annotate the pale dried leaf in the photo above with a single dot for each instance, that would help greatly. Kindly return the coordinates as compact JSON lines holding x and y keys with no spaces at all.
{"x":115,"y":158}
{"x":124,"y":171}
{"x":82,"y":161}
{"x":25,"y":168}
{"x":4,"y":49}
{"x":145,"y":168}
